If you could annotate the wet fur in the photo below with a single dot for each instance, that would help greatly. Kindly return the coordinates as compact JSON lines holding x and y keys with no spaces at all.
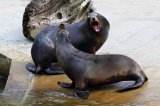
{"x":83,"y":37}
{"x":89,"y":70}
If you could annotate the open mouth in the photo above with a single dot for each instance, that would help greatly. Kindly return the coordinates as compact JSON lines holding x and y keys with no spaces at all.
{"x":96,"y":26}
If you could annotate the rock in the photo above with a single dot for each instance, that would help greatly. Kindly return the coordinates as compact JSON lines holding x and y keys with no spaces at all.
{"x":40,"y":14}
{"x":19,"y":83}
{"x":5,"y":64}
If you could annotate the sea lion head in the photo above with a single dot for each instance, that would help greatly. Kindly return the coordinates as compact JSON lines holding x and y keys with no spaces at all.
{"x":94,"y":20}
{"x":63,"y":34}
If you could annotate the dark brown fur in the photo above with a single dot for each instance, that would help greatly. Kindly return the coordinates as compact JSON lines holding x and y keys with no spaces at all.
{"x":83,"y":35}
{"x":89,"y":70}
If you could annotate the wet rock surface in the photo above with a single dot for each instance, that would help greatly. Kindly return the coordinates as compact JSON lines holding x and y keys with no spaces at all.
{"x":134,"y":32}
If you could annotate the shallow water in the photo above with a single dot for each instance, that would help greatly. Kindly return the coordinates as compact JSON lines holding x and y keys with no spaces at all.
{"x":134,"y":32}
{"x":23,"y":88}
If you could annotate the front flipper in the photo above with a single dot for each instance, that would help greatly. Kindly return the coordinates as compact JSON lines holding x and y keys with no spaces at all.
{"x":54,"y":72}
{"x":31,"y":67}
{"x":81,"y":93}
{"x":66,"y":85}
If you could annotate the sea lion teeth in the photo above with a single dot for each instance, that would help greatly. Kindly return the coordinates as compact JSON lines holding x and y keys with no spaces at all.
{"x":83,"y":36}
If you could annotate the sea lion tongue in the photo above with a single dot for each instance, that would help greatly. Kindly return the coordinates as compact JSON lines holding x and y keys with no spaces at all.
{"x":96,"y":28}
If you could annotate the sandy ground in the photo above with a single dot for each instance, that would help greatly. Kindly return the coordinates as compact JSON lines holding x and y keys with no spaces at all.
{"x":134,"y":32}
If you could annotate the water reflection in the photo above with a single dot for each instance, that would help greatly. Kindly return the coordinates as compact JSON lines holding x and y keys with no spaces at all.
{"x":23,"y":88}
{"x":50,"y":98}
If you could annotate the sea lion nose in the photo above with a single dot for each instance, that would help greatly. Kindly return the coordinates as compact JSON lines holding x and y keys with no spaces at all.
{"x":93,"y":19}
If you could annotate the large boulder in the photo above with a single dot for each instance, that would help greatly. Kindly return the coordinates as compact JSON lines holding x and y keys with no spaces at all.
{"x":42,"y":13}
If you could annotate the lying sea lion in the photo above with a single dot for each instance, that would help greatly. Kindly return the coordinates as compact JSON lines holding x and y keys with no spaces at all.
{"x":89,"y":70}
{"x":87,"y":35}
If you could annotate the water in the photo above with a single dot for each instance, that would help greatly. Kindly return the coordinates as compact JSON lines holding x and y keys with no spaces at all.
{"x":50,"y":98}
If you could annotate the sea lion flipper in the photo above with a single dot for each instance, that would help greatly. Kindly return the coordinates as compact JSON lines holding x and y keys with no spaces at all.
{"x":81,"y":93}
{"x":66,"y":85}
{"x":139,"y":82}
{"x":55,"y":66}
{"x":54,"y":72}
{"x":31,"y":67}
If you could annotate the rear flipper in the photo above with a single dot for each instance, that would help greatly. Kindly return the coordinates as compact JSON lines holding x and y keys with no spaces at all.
{"x":54,"y":69}
{"x":54,"y":72}
{"x":66,"y":85}
{"x":32,"y":68}
{"x":81,"y":93}
{"x":55,"y":66}
{"x":139,"y":82}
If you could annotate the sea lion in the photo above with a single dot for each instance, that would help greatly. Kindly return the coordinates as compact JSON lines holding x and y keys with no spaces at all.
{"x":89,"y":70}
{"x":87,"y":35}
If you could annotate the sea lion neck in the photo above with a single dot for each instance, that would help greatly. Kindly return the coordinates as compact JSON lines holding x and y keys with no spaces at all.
{"x":83,"y":24}
{"x":63,"y":38}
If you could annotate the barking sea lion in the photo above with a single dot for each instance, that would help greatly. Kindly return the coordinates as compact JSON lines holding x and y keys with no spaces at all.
{"x":87,"y":35}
